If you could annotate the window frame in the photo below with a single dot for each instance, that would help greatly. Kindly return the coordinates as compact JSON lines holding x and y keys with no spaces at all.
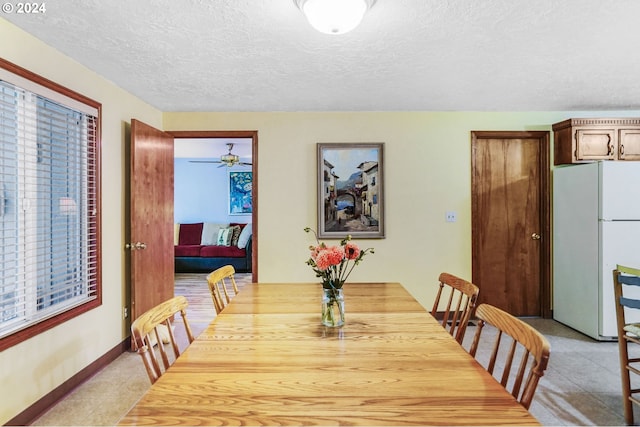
{"x":94,"y":200}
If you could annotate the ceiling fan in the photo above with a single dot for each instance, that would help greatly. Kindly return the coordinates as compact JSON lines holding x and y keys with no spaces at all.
{"x":228,"y":159}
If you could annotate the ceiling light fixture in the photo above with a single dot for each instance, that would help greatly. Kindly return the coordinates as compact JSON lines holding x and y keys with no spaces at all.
{"x":334,"y":16}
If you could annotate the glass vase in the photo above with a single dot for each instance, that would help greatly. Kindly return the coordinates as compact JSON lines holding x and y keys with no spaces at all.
{"x":332,"y":307}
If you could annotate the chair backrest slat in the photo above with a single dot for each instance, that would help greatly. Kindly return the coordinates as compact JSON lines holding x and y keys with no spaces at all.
{"x":163,"y":351}
{"x":494,"y":352}
{"x":462,"y":295}
{"x":521,"y":371}
{"x":629,"y":302}
{"x":630,"y":280}
{"x":506,"y":372}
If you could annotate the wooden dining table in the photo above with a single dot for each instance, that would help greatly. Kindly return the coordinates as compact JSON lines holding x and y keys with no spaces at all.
{"x":266,"y":359}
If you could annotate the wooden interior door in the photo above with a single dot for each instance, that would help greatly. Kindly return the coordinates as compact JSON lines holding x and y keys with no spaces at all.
{"x":151,"y":217}
{"x":510,"y":221}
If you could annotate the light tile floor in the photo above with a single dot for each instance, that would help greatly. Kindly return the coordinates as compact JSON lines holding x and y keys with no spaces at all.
{"x":580,"y":387}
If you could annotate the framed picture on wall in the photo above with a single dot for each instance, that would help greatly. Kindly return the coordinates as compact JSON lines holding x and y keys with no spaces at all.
{"x":240,"y":185}
{"x":351,"y":190}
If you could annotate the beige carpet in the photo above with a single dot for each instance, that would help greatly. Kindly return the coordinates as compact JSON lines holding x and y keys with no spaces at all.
{"x":118,"y":386}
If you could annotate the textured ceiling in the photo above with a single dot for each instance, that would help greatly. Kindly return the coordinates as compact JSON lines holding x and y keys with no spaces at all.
{"x":407,"y":55}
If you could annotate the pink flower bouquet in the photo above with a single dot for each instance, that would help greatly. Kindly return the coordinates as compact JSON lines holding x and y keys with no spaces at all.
{"x":334,"y":264}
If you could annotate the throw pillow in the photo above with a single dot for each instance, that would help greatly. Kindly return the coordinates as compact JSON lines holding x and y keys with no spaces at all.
{"x":224,"y":237}
{"x":633,"y":328}
{"x":190,"y":234}
{"x":176,"y":234}
{"x":210,"y":233}
{"x":243,"y":240}
{"x":235,"y":229}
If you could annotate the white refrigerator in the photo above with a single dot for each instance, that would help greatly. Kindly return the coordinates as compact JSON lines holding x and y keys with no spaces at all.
{"x":596,"y":225}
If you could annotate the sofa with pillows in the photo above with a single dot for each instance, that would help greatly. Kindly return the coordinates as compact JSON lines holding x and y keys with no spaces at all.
{"x":204,"y":246}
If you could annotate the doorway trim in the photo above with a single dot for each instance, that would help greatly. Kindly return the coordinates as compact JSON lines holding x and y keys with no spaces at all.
{"x":545,"y":207}
{"x":253,"y":134}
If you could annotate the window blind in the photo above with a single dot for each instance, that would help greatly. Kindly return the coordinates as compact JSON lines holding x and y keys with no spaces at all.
{"x":48,"y":191}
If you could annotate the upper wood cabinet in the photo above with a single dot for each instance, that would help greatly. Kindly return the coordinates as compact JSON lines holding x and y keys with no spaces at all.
{"x":587,"y":140}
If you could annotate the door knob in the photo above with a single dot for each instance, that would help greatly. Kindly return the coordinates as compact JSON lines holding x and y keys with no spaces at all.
{"x":535,"y":236}
{"x":136,"y":246}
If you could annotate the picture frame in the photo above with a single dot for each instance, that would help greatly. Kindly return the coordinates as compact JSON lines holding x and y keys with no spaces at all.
{"x":240,"y":195}
{"x":350,"y":190}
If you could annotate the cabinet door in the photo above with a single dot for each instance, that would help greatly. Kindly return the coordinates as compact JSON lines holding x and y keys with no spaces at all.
{"x":595,"y":144}
{"x":629,"y":144}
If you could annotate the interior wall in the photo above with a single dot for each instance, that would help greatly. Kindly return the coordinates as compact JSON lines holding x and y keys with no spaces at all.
{"x":32,"y":369}
{"x":195,"y":202}
{"x":427,"y":172}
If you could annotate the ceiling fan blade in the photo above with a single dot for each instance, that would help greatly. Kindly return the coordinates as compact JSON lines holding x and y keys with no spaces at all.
{"x":205,"y":161}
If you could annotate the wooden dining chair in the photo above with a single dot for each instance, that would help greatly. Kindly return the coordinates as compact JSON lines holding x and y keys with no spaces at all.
{"x":626,"y":280}
{"x":461,"y":297}
{"x":219,"y":281}
{"x":523,"y":341}
{"x":153,"y":330}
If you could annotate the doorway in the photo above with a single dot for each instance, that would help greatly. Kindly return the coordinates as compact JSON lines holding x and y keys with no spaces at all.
{"x":511,"y":242}
{"x":226,"y":137}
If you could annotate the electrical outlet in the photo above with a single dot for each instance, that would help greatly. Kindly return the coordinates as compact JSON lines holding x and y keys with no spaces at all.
{"x":450,"y":216}
{"x":125,"y":312}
